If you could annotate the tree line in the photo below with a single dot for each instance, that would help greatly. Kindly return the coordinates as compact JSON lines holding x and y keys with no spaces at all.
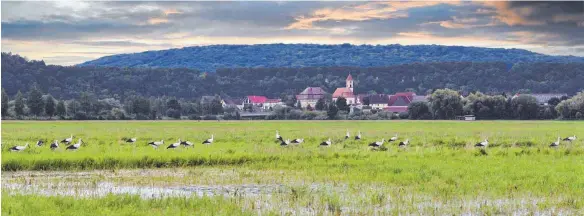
{"x":18,"y":74}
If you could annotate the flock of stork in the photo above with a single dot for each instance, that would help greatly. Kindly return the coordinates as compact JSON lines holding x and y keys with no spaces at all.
{"x":328,"y":142}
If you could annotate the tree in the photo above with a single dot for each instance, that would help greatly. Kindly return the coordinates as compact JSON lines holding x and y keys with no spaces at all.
{"x":320,"y":104}
{"x":572,"y":108}
{"x":173,"y":108}
{"x":35,"y":101}
{"x":298,"y":105}
{"x":332,"y":111}
{"x":308,"y":107}
{"x":50,"y":108}
{"x":342,"y":104}
{"x":524,"y":107}
{"x":445,"y":104}
{"x":216,"y":106}
{"x":61,"y":110}
{"x":554,"y":101}
{"x":366,"y":101}
{"x":4,"y":103}
{"x":86,"y":102}
{"x":419,"y":110}
{"x":19,"y":104}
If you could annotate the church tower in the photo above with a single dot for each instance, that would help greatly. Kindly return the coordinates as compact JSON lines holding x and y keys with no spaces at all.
{"x":350,"y":82}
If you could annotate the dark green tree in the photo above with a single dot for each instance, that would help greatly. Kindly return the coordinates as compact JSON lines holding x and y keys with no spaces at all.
{"x":445,"y":104}
{"x":86,"y":102}
{"x":61,"y":110}
{"x":35,"y":101}
{"x":524,"y":107}
{"x":19,"y":104}
{"x":419,"y":110}
{"x":4,"y":103}
{"x":50,"y":106}
{"x":554,"y":101}
{"x":366,"y":101}
{"x":332,"y":111}
{"x":341,"y":104}
{"x":216,"y":106}
{"x":320,"y":104}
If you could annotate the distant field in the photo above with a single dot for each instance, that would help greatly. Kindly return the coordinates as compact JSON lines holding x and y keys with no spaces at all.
{"x":441,"y":172}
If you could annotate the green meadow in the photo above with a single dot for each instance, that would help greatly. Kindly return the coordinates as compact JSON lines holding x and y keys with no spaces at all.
{"x":440,"y":172}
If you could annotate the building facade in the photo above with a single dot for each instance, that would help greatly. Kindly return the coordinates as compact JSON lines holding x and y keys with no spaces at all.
{"x":310,"y":96}
{"x":346,"y":92}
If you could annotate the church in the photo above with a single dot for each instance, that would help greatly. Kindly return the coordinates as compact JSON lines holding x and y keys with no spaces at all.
{"x":346,"y":92}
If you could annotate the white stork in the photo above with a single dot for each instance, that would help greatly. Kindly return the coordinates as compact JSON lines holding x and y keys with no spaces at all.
{"x":54,"y":145}
{"x":298,"y":141}
{"x":358,"y":137}
{"x":186,"y":143}
{"x":393,"y":138}
{"x":404,"y":143}
{"x":68,"y":140}
{"x":484,"y":143}
{"x":377,"y":143}
{"x":348,"y":135}
{"x":556,"y":143}
{"x":326,"y":143}
{"x":174,"y":145}
{"x":75,"y":146}
{"x":40,"y":143}
{"x":278,"y":137}
{"x":130,"y":140}
{"x":285,"y":142}
{"x":19,"y":148}
{"x":208,"y":141}
{"x":570,"y":139}
{"x":155,"y":144}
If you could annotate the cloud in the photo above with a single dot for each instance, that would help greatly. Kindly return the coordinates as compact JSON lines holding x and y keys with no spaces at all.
{"x":538,"y":13}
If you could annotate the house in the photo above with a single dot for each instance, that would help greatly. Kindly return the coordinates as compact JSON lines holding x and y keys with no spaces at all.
{"x":271,"y":103}
{"x":346,"y":92}
{"x":255,"y":100}
{"x":310,"y":96}
{"x":378,"y":101}
{"x":237,"y":103}
{"x":399,"y":102}
{"x":542,"y":99}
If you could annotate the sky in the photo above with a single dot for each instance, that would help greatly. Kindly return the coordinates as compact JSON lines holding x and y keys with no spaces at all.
{"x":71,"y":32}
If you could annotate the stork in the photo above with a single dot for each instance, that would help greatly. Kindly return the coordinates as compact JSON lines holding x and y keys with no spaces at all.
{"x":358,"y":137}
{"x":155,"y":144}
{"x":348,"y":135}
{"x":570,"y":139}
{"x":285,"y":143}
{"x":484,"y":143}
{"x":54,"y":145}
{"x":208,"y":141}
{"x":404,"y":143}
{"x":130,"y":140}
{"x":298,"y":141}
{"x":393,"y":138}
{"x":186,"y":143}
{"x":174,"y":145}
{"x":278,"y":137}
{"x":40,"y":143}
{"x":326,"y":143}
{"x":68,"y":140}
{"x":75,"y":146}
{"x":556,"y":143}
{"x":377,"y":143}
{"x":19,"y":148}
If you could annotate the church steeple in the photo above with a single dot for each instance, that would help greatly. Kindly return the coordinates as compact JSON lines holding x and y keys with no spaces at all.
{"x":349,"y":82}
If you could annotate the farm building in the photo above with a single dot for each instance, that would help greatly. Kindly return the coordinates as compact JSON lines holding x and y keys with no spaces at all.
{"x":310,"y":96}
{"x":346,"y":92}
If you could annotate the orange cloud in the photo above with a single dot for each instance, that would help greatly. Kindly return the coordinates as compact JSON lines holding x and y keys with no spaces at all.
{"x":156,"y":21}
{"x":511,"y":17}
{"x":171,"y":11}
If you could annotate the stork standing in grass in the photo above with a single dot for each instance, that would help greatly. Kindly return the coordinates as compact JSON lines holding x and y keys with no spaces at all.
{"x":285,"y":142}
{"x":393,"y":138}
{"x":186,"y":143}
{"x":75,"y":146}
{"x":484,"y":143}
{"x":155,"y":144}
{"x":40,"y":143}
{"x":54,"y":145}
{"x":278,"y":137}
{"x":19,"y":148}
{"x":326,"y":143}
{"x":570,"y":139}
{"x":377,"y":143}
{"x":67,"y":140}
{"x":404,"y":143}
{"x":209,"y":141}
{"x":556,"y":143}
{"x":358,"y":137}
{"x":348,"y":135}
{"x":298,"y":141}
{"x":130,"y":140}
{"x":174,"y":145}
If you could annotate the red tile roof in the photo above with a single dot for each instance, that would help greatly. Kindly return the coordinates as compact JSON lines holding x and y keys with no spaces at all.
{"x":349,"y":77}
{"x":343,"y":92}
{"x":396,"y":109}
{"x":256,"y":99}
{"x":405,"y":98}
